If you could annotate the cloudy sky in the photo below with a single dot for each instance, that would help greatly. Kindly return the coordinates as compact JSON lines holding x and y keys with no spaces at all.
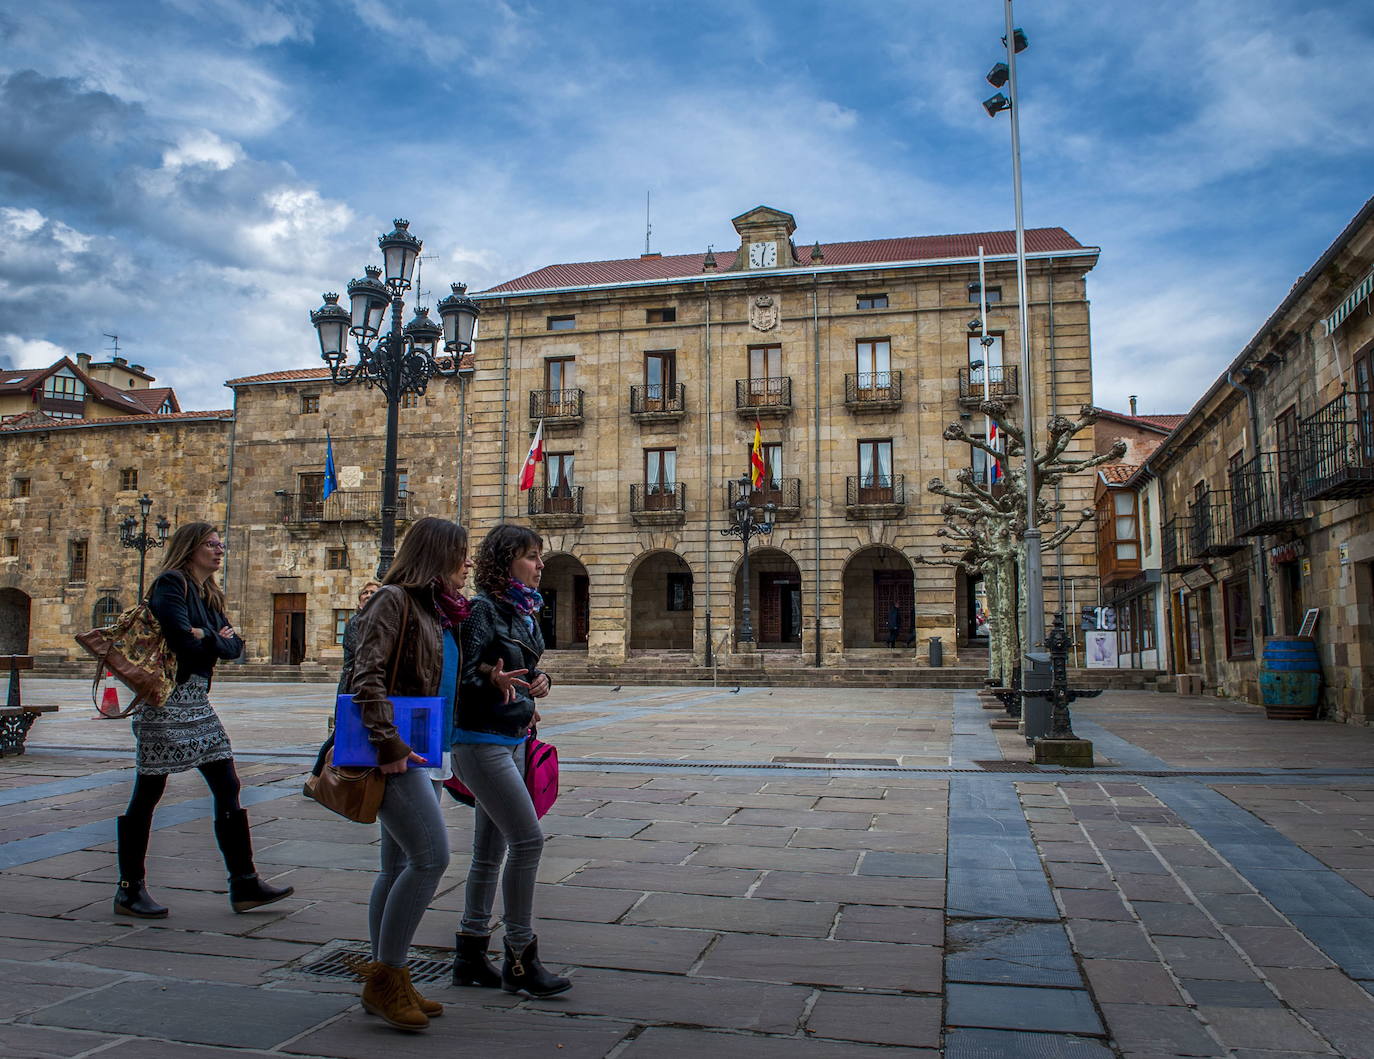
{"x":191,"y":174}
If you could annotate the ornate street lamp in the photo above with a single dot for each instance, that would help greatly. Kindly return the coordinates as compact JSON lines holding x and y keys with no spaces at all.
{"x":142,"y":540}
{"x":404,"y":359}
{"x":744,"y":526}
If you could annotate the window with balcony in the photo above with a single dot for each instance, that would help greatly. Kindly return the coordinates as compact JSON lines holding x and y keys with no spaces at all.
{"x":128,"y":478}
{"x":665,"y":315}
{"x":871,"y":301}
{"x":561,"y":323}
{"x":660,"y":479}
{"x":765,"y":375}
{"x":310,"y":488}
{"x":875,"y":471}
{"x":1118,"y":535}
{"x":660,"y":379}
{"x":1286,"y":430}
{"x":1240,"y":637}
{"x":873,"y":365}
{"x":559,"y":483}
{"x":560,"y":387}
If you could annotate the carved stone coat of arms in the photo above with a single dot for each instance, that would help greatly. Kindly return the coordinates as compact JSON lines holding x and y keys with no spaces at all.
{"x":763,"y":312}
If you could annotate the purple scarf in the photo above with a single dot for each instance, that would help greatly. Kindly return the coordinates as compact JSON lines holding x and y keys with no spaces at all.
{"x":526,"y":601}
{"x":453,"y":607}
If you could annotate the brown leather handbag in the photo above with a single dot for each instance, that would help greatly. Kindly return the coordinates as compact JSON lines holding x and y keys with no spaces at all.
{"x":356,"y":793}
{"x":134,"y":650}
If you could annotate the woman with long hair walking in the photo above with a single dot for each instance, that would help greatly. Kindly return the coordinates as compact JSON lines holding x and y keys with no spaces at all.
{"x":407,"y":645}
{"x":184,"y":732}
{"x":501,"y":649}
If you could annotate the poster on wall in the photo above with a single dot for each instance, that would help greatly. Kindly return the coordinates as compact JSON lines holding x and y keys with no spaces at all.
{"x":1101,"y":649}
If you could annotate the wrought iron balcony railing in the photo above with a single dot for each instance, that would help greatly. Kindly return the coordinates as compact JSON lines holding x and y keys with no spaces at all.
{"x":763,"y":396}
{"x":341,"y":506}
{"x":658,"y":399}
{"x":650,"y":498}
{"x":556,"y":404}
{"x":1338,"y":448}
{"x":1175,"y":546}
{"x":865,"y":489}
{"x":1001,"y":383}
{"x":555,"y":500}
{"x":1209,"y":531}
{"x":783,"y":493}
{"x":876,"y":390}
{"x":1266,"y":494}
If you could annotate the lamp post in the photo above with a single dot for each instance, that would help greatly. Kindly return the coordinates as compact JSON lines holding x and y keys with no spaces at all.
{"x":1005,"y":74}
{"x":400,"y":362}
{"x":744,"y":526}
{"x":142,"y":540}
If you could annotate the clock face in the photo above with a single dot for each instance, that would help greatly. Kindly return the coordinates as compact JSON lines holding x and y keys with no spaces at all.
{"x":763,"y":255}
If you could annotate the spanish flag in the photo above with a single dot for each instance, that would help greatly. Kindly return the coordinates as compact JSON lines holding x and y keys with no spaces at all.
{"x":756,"y":465}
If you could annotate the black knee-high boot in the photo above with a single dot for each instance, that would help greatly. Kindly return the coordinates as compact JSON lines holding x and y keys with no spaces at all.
{"x":131,"y":898}
{"x":246,"y":890}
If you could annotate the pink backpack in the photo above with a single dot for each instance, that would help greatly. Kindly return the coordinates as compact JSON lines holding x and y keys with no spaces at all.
{"x":541,"y":777}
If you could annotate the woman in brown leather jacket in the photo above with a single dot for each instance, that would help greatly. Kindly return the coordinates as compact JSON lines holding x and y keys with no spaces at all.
{"x":414,"y":619}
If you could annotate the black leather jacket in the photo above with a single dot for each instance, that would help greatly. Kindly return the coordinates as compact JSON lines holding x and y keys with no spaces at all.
{"x":494,"y":632}
{"x":179,"y":608}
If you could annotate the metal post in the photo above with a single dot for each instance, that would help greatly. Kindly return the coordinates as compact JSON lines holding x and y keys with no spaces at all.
{"x":142,"y":552}
{"x":395,"y":358}
{"x":1035,"y":587}
{"x":746,"y":634}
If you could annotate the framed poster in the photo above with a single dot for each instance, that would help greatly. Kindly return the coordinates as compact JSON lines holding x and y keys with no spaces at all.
{"x":1101,"y":649}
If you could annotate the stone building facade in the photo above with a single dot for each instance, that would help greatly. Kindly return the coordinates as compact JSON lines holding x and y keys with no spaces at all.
{"x":1266,"y":488}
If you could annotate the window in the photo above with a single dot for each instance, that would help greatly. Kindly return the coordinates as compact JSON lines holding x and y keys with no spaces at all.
{"x":410,"y":400}
{"x":106,"y":610}
{"x":311,"y":489}
{"x":310,"y":403}
{"x":875,"y":472}
{"x":11,"y":547}
{"x":341,"y":618}
{"x":20,"y":487}
{"x":660,"y":374}
{"x":402,"y":483}
{"x":165,"y":408}
{"x":994,"y":294}
{"x":64,"y":386}
{"x":660,"y":478}
{"x":765,"y":375}
{"x":1364,"y":405}
{"x":1124,"y":526}
{"x":76,"y":562}
{"x":1193,"y":629}
{"x":336,"y":558}
{"x":873,"y":362}
{"x":1234,"y":462}
{"x":128,"y":478}
{"x":558,"y":483}
{"x":660,"y":316}
{"x":679,"y":591}
{"x":871,"y":301}
{"x":990,"y":355}
{"x":562,"y":323}
{"x":1146,"y":535}
{"x":1240,"y":638}
{"x":772,"y":466}
{"x":560,"y":376}
{"x":1286,"y":428}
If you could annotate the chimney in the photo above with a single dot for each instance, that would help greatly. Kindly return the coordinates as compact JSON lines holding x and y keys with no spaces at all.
{"x":83,"y":361}
{"x":650,"y":253}
{"x":120,"y":361}
{"x":1132,"y":400}
{"x":136,"y":367}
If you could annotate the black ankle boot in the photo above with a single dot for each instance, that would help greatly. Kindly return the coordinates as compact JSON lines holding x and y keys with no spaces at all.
{"x":471,"y":965}
{"x":131,"y":898}
{"x":524,"y":971}
{"x":246,"y":890}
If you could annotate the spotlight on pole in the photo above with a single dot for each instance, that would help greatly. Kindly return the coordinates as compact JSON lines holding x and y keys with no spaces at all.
{"x":999,"y":75}
{"x":996,"y":104}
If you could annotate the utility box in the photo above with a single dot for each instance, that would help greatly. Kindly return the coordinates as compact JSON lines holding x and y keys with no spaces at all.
{"x":1037,"y":678}
{"x":937,"y":653}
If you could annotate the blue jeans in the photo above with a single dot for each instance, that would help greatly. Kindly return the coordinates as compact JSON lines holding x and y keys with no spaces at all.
{"x":505,"y":822}
{"x":414,"y":856}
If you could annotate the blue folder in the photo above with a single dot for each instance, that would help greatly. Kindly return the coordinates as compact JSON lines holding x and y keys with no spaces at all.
{"x":419,"y":722}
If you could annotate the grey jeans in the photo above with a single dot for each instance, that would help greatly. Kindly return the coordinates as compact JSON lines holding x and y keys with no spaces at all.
{"x":505,"y":823}
{"x":414,"y":856}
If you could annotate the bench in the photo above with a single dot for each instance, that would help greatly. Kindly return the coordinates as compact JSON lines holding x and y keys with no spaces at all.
{"x":15,"y":718}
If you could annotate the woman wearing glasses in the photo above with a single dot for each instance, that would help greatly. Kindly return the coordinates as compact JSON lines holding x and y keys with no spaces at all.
{"x":184,"y":732}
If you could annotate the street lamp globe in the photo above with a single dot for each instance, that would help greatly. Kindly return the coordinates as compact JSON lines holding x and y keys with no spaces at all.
{"x":459,"y":313}
{"x":162,"y":528}
{"x":332,"y":321}
{"x":368,"y":298}
{"x":145,"y":504}
{"x":423,"y":332}
{"x":400,"y":249}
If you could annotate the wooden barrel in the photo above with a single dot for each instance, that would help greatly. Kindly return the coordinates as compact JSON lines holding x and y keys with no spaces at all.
{"x":1290,"y":678}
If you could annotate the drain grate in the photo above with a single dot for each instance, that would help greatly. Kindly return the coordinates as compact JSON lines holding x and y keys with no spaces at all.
{"x":1002,"y":765}
{"x":784,"y":759}
{"x":426,"y":964}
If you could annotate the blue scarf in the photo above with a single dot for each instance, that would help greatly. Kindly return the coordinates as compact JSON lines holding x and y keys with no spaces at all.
{"x":526,"y":601}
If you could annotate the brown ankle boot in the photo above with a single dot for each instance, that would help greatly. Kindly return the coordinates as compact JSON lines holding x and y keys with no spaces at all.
{"x":388,"y":994}
{"x":431,"y":1008}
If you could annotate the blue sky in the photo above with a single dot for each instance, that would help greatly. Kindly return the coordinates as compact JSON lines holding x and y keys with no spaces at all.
{"x":191,"y":174}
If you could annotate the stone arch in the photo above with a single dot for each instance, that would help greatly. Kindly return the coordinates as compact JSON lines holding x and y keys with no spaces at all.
{"x":776,"y":607}
{"x":661,"y":606}
{"x":14,"y":621}
{"x":875,"y":578}
{"x":566,"y":615}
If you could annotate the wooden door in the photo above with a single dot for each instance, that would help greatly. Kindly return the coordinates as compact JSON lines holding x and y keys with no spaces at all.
{"x":889,"y":587}
{"x":288,"y":628}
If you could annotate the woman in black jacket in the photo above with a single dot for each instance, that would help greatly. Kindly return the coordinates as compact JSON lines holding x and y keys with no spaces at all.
{"x":184,"y":732}
{"x":500,"y":680}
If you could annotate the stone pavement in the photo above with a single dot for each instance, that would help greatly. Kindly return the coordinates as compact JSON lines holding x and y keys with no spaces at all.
{"x":754,"y":873}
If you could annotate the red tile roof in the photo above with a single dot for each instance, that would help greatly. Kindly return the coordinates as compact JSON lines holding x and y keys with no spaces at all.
{"x":21,"y":380}
{"x":27,"y":421}
{"x":303,"y":374}
{"x":1118,"y":473}
{"x":133,"y":401}
{"x":862,"y":252}
{"x":1163,"y":423}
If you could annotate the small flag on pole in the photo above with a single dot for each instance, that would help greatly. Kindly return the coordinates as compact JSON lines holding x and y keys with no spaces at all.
{"x":756,"y":464}
{"x":331,"y":478}
{"x":536,"y":455}
{"x":994,"y":465}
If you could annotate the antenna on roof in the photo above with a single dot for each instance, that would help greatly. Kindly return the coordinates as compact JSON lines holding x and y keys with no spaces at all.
{"x":648,"y":228}
{"x":420,"y":291}
{"x":115,"y":340}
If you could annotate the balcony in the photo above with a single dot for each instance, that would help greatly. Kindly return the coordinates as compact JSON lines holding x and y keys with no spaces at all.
{"x":1210,"y":534}
{"x":1001,"y":384}
{"x":557,"y":408}
{"x":555,"y":507}
{"x":1118,"y":557}
{"x":873,"y":391}
{"x":1175,"y":546}
{"x":658,"y":505}
{"x":1338,"y":449}
{"x":1266,"y":495}
{"x":300,"y":510}
{"x":763,"y":398}
{"x":874,"y":496}
{"x":784,"y":495}
{"x":658,"y":403}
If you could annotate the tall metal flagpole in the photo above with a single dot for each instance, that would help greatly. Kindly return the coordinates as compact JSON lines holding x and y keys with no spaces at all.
{"x":984,"y":346}
{"x":1035,"y":586}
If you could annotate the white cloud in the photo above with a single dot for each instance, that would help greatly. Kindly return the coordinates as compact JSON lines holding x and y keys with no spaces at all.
{"x":201,"y":147}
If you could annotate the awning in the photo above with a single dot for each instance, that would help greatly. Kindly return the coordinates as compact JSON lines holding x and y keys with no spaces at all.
{"x":1350,"y":303}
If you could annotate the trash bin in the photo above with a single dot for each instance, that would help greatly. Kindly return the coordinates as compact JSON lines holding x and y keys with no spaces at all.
{"x":937,"y":653}
{"x":1037,"y":677}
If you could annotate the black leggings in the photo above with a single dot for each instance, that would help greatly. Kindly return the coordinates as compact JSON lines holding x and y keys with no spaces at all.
{"x":222,"y":777}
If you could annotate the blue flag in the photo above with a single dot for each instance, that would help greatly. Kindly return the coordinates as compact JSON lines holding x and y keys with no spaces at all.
{"x":331,"y":479}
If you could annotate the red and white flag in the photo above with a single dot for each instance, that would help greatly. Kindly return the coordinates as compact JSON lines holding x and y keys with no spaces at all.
{"x":536,"y":455}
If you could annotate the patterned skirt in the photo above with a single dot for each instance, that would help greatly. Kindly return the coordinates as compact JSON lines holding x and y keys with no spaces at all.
{"x":183,"y":733}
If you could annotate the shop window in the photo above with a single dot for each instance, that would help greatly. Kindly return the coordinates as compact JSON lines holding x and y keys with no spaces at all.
{"x":1240,"y":636}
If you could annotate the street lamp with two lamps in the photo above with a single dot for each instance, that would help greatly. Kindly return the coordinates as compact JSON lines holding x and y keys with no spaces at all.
{"x":143,"y":541}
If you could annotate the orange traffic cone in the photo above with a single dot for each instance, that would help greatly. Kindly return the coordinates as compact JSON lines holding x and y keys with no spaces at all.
{"x":109,"y":698}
